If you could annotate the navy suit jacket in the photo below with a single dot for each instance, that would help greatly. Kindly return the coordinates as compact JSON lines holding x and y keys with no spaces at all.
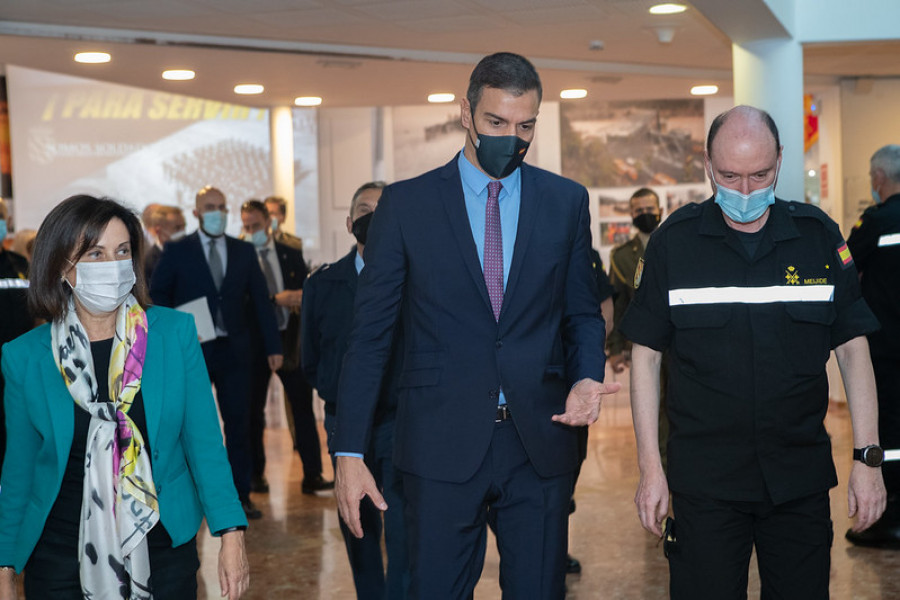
{"x":422,"y":267}
{"x":183,"y":275}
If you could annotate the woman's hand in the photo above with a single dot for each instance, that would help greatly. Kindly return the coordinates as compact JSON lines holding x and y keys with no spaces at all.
{"x":234,"y":570}
{"x":8,"y":589}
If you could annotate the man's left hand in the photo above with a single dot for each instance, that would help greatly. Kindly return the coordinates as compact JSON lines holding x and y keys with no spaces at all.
{"x":275,"y":361}
{"x":583,"y":402}
{"x":866,"y":495}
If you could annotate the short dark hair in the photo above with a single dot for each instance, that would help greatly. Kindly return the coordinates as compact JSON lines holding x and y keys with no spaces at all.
{"x":257,"y":206}
{"x":720,"y":120}
{"x":642,"y":193}
{"x":69,"y":230}
{"x":505,"y":71}
{"x":279,"y":202}
{"x":371,"y":185}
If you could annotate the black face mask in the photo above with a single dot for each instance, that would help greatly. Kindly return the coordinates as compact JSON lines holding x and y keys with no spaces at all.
{"x":499,"y":155}
{"x":360,"y":227}
{"x":646,"y":222}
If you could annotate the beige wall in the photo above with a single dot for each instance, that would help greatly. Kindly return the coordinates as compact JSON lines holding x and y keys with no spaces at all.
{"x":869,"y":119}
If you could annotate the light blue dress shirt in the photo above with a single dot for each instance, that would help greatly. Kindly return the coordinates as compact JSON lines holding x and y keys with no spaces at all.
{"x":475,"y":191}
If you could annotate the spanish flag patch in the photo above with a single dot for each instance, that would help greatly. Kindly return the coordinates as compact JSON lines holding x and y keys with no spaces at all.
{"x":843,"y":253}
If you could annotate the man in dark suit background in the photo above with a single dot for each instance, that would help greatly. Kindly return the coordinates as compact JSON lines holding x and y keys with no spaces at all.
{"x":327,"y":317}
{"x":223,"y":269}
{"x":285,"y":273}
{"x":486,"y":264}
{"x":165,"y":223}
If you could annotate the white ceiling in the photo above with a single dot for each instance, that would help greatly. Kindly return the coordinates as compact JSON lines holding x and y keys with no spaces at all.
{"x":392,"y":52}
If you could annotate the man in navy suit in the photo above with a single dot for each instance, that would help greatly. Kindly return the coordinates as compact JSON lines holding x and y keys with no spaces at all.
{"x":327,"y":316}
{"x":223,"y":269}
{"x":486,"y":264}
{"x":285,"y":272}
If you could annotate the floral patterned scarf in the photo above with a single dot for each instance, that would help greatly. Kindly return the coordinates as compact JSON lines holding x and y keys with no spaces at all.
{"x":119,"y":504}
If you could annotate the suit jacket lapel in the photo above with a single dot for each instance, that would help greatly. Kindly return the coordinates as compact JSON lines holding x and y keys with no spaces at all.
{"x":528,"y":209}
{"x":59,"y":405}
{"x":453,"y":199}
{"x":151,"y":379}
{"x":200,"y":255}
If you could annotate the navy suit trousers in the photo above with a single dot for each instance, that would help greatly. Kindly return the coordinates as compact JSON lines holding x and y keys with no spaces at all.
{"x":229,"y":372}
{"x":447,"y":526}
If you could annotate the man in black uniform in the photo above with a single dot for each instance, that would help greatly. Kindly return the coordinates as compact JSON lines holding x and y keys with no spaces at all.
{"x":14,"y":317}
{"x":749,"y":294}
{"x":327,"y":317}
{"x":875,"y":246}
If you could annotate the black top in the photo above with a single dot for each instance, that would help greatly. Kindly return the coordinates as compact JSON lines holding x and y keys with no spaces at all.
{"x":61,"y":527}
{"x":604,"y":287}
{"x":875,"y":245}
{"x":747,"y":391}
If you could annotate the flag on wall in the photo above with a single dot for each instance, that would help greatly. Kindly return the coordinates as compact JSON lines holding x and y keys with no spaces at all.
{"x":810,"y":122}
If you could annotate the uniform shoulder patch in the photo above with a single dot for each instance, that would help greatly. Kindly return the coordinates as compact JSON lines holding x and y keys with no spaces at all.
{"x":844,"y":256}
{"x":638,"y":273}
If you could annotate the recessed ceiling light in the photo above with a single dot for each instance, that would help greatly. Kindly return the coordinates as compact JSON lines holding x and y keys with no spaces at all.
{"x":439,"y":98}
{"x":704,"y":90}
{"x":178,"y":74}
{"x":248,"y":89}
{"x":811,"y":173}
{"x":669,"y":8}
{"x":572,"y":94}
{"x":307,"y":101}
{"x":92,"y":57}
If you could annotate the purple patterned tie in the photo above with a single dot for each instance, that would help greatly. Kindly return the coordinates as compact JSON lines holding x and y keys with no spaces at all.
{"x":493,"y":248}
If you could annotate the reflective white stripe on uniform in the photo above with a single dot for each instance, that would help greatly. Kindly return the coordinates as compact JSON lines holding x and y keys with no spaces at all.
{"x":752,"y":295}
{"x":891,"y":239}
{"x":13,"y":284}
{"x":891,"y":455}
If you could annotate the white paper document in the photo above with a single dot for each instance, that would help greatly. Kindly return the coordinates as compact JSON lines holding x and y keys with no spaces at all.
{"x":206,"y":331}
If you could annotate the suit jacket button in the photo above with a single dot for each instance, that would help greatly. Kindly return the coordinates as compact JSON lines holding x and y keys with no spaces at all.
{"x":499,"y":344}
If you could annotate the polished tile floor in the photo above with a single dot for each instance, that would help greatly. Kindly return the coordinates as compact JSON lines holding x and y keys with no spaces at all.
{"x":296,"y":549}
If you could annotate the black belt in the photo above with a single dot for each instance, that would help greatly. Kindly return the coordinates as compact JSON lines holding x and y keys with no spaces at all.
{"x":503,"y":413}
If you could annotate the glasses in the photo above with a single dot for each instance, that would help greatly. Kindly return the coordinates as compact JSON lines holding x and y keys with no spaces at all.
{"x":668,"y":538}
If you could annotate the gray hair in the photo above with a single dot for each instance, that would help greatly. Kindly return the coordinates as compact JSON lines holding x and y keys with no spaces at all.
{"x":887,"y":158}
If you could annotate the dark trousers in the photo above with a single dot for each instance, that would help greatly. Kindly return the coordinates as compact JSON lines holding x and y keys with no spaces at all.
{"x":299,"y":398}
{"x":887,"y":381}
{"x":54,"y":575}
{"x":365,"y":554}
{"x":711,"y":556}
{"x":229,"y":371}
{"x":447,"y":526}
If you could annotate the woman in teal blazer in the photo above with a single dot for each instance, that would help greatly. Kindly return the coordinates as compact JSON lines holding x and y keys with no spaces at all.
{"x":187,"y":476}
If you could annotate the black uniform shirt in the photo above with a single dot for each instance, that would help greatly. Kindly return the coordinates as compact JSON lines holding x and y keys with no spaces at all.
{"x":875,"y":245}
{"x":748,"y":340}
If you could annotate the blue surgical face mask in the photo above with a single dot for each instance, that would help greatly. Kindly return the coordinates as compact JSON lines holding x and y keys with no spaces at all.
{"x":259,"y":238}
{"x":875,"y":196}
{"x":214,"y":222}
{"x":3,"y":230}
{"x":745,"y":208}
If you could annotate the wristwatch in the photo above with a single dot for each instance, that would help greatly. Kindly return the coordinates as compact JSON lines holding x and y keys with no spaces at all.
{"x":871,"y":456}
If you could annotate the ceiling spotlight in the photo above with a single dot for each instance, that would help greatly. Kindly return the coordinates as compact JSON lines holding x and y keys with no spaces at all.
{"x":704,"y":90}
{"x":572,"y":94}
{"x":668,"y":8}
{"x":441,"y":98}
{"x":92,"y":57}
{"x":307,"y":101}
{"x":811,"y":173}
{"x":178,"y":74}
{"x":248,"y":89}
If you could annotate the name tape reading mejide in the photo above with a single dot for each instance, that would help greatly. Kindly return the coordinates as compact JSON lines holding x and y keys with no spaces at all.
{"x":13,"y":284}
{"x":751,"y":295}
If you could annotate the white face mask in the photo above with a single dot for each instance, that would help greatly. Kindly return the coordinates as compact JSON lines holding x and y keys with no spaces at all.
{"x":102,"y":286}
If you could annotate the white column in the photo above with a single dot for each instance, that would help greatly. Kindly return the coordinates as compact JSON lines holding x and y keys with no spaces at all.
{"x":768,"y":74}
{"x":281,"y":138}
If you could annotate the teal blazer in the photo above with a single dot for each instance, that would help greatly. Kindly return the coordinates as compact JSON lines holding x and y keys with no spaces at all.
{"x":190,"y":466}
